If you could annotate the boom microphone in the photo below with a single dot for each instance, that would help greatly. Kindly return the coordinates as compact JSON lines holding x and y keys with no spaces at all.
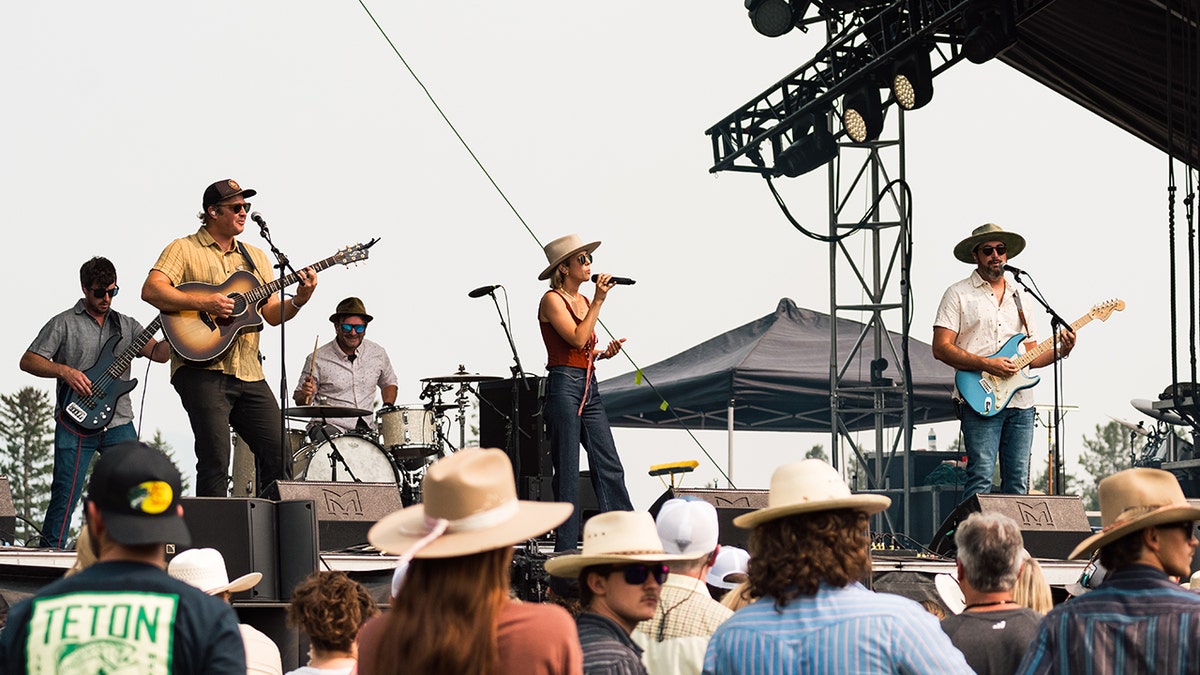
{"x":483,"y":290}
{"x":620,"y":281}
{"x":1014,"y":270}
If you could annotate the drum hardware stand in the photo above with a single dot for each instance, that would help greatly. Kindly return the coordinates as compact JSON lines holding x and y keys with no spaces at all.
{"x":283,"y":265}
{"x":335,"y":456}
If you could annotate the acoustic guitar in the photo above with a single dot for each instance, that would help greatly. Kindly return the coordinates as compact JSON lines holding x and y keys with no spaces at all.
{"x":199,"y":337}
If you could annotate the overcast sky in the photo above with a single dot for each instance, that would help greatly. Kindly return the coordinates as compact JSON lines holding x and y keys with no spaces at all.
{"x":591,"y":118}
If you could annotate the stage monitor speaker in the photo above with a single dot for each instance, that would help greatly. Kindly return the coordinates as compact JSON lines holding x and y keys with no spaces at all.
{"x":730,"y":504}
{"x":244,"y":531}
{"x":1051,"y":525}
{"x":298,"y":543}
{"x":8,"y":513}
{"x":532,"y":466}
{"x":345,"y":511}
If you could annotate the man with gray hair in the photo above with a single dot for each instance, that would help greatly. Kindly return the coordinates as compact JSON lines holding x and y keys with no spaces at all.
{"x":993,"y":632}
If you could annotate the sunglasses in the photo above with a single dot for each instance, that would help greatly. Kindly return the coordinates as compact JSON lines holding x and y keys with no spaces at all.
{"x":359,"y":328}
{"x":1188,"y":527}
{"x":101,"y":292}
{"x":636,"y":575}
{"x":238,"y":208}
{"x":584,"y":259}
{"x":987,"y":250}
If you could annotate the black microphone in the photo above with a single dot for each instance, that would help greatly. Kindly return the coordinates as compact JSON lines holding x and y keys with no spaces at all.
{"x":483,"y":290}
{"x":620,"y":281}
{"x":1014,"y":270}
{"x":257,"y":217}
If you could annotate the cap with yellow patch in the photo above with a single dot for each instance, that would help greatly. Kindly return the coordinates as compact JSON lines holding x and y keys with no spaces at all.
{"x":137,"y":489}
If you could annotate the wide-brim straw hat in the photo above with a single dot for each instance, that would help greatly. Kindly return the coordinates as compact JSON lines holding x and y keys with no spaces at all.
{"x":562,"y":249}
{"x":204,"y":568}
{"x":808,"y":486}
{"x":615,"y":537}
{"x":472,"y":495}
{"x":1012,"y":241}
{"x":1135,"y":499}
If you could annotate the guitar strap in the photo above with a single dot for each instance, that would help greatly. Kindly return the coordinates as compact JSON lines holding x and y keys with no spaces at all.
{"x":1021,"y":312}
{"x":253,"y":267}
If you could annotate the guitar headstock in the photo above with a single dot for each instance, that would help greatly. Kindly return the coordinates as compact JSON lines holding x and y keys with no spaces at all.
{"x":355,"y":253}
{"x":1105,"y":309}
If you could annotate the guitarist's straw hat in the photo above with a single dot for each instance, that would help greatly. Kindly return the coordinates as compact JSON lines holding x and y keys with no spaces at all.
{"x":1014,"y":242}
{"x":1135,"y":499}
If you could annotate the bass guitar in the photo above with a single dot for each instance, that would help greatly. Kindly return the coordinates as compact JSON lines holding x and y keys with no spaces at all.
{"x":988,"y":394}
{"x":200,"y":337}
{"x":89,"y":414}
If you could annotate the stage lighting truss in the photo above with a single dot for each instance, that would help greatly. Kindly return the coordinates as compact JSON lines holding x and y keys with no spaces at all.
{"x":869,"y":44}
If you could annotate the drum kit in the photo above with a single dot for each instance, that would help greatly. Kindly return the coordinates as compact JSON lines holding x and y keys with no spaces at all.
{"x":405,"y":440}
{"x":1161,"y":447}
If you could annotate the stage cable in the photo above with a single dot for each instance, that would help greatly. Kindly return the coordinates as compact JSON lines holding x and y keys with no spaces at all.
{"x":524,"y":224}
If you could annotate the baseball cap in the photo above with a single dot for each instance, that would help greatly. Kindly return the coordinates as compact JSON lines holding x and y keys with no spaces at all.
{"x":730,"y":568}
{"x":224,"y":189}
{"x":137,"y":488}
{"x":687,"y":527}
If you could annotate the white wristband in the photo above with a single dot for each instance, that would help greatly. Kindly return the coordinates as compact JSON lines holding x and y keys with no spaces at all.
{"x":296,"y":305}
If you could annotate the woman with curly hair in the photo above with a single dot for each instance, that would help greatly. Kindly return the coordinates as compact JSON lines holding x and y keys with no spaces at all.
{"x":330,"y":607}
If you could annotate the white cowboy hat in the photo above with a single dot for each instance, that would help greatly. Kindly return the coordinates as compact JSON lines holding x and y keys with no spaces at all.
{"x":1014,"y":242}
{"x":204,"y":568}
{"x":470,"y":506}
{"x":614,"y":537}
{"x":1135,"y":499}
{"x":563,"y":248}
{"x":805,"y":487}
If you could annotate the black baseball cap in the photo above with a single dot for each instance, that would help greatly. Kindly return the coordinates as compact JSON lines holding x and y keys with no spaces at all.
{"x":138,"y":488}
{"x":224,"y":189}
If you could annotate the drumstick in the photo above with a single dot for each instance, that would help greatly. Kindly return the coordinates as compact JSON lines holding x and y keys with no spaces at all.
{"x":313,"y":367}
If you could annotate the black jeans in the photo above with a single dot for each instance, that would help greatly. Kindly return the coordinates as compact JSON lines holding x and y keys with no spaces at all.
{"x":215,"y":401}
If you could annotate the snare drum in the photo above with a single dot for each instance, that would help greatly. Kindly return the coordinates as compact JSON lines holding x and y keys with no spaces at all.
{"x":364,"y":460}
{"x":408,"y":432}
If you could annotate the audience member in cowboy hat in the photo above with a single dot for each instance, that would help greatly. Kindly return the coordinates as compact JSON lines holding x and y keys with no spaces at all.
{"x":452,"y":614}
{"x":621,"y":571}
{"x":1138,"y":620}
{"x":809,"y":553}
{"x":574,"y":413}
{"x":204,"y":568}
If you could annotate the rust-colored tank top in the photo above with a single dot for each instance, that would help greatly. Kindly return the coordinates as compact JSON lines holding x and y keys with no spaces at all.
{"x":558,"y":352}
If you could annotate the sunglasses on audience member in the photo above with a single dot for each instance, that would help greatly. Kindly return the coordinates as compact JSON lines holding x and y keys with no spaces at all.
{"x":101,"y":292}
{"x":238,"y":208}
{"x":987,"y":250}
{"x":359,"y":328}
{"x":635,"y":575}
{"x":1188,"y":527}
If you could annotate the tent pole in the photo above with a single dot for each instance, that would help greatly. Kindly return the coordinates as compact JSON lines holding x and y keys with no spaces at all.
{"x":729,"y":452}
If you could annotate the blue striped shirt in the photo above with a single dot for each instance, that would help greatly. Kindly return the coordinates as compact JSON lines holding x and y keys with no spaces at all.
{"x":838,"y":630}
{"x":1137,"y":621}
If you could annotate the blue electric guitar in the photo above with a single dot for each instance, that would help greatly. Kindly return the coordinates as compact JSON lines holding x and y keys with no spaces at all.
{"x":988,"y":394}
{"x":89,"y":414}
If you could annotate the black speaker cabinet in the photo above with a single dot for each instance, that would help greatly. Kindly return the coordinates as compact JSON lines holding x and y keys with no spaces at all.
{"x":344,"y":511}
{"x":1051,"y":525}
{"x":730,"y":504}
{"x":298,"y":544}
{"x":532,"y":466}
{"x":8,"y":513}
{"x":244,"y":531}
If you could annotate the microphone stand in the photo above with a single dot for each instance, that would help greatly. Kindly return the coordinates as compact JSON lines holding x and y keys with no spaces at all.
{"x":284,"y":266}
{"x":518,"y":379}
{"x":1057,"y":323}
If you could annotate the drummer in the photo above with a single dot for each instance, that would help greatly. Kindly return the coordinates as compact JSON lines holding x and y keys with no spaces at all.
{"x":346,"y":371}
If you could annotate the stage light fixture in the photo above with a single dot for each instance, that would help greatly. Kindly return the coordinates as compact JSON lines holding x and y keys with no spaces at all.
{"x":991,"y":29}
{"x":862,"y":114}
{"x":912,"y":81}
{"x":773,"y":18}
{"x":811,"y":150}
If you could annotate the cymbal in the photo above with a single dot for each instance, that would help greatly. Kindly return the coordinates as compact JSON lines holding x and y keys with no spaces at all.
{"x":1145,"y":405}
{"x":462,"y":377}
{"x":1138,"y":429}
{"x":319,"y":411}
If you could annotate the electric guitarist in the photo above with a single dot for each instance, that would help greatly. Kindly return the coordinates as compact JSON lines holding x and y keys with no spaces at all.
{"x":230,"y":390}
{"x":70,"y":343}
{"x":976,"y":317}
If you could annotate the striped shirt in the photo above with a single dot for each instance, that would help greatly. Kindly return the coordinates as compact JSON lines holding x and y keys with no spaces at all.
{"x":198,"y":257}
{"x":607,"y":648}
{"x":838,"y":630}
{"x":1137,"y":621}
{"x":675,"y":639}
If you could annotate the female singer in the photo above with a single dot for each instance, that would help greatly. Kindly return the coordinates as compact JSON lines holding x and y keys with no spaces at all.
{"x":572,"y":408}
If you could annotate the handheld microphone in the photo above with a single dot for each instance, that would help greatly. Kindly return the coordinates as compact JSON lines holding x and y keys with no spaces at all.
{"x":1014,"y":270}
{"x":483,"y":290}
{"x":620,"y":281}
{"x":257,"y":217}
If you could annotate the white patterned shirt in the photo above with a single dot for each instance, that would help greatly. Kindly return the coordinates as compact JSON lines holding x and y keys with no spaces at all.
{"x":349,"y":383}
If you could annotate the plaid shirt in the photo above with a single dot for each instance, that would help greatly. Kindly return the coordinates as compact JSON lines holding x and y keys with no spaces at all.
{"x":675,"y":639}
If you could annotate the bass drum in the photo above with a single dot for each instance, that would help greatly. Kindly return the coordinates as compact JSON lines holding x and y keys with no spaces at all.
{"x":364,"y":461}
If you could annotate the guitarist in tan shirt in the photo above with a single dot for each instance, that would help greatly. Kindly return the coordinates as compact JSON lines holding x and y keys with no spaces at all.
{"x":230,"y":388}
{"x":978,"y":316}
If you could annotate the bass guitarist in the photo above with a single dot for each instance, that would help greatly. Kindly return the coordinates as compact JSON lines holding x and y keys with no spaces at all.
{"x":68,"y":344}
{"x":231,"y":389}
{"x":976,"y":317}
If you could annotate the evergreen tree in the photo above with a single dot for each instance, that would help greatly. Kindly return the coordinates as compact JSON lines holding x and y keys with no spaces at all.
{"x":1105,"y":454}
{"x":817,"y":452}
{"x":27,"y":456}
{"x":159,"y":443}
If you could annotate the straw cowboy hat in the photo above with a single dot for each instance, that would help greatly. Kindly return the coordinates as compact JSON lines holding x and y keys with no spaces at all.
{"x":470,"y":505}
{"x":351,"y":306}
{"x":561,"y":249}
{"x":1135,"y":499}
{"x":1012,"y":241}
{"x":615,"y":537}
{"x":204,"y":568}
{"x":808,"y":486}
